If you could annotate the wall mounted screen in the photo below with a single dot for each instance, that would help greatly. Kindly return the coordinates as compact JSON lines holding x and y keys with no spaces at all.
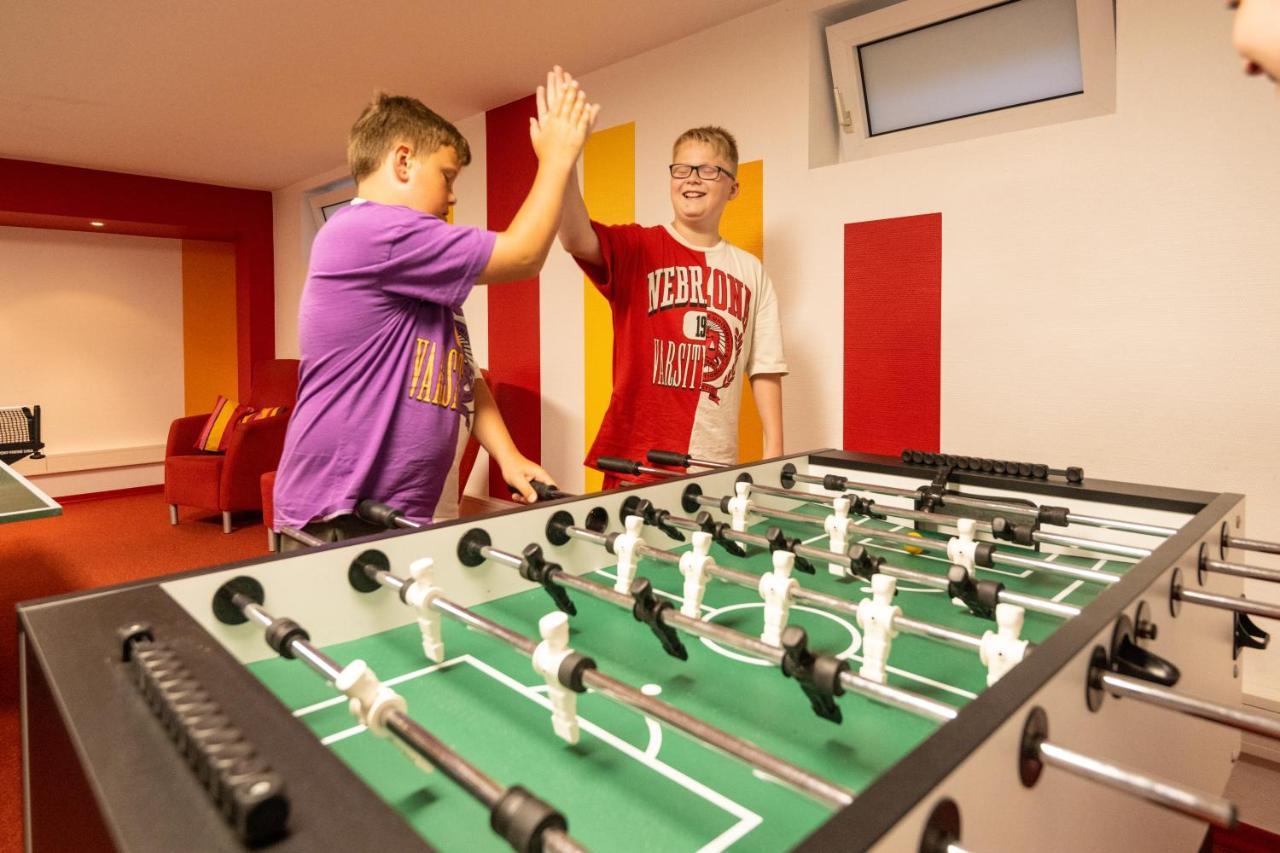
{"x":1015,"y":53}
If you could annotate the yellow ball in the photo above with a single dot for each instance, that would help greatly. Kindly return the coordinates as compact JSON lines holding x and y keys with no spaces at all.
{"x":912,"y":549}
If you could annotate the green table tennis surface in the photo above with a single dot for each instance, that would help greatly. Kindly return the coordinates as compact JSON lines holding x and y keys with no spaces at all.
{"x":22,"y":501}
{"x":632,"y":783}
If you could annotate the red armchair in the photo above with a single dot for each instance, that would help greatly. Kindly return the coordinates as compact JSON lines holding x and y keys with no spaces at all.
{"x":231,"y":481}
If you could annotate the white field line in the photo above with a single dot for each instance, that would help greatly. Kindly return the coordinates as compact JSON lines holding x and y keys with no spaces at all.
{"x":747,"y":819}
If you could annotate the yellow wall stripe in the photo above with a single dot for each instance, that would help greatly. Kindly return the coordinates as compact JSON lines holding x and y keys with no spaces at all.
{"x":609,"y":188}
{"x":208,"y":324}
{"x":743,"y":225}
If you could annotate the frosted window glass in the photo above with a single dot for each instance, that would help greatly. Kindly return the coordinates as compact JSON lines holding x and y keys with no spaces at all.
{"x":1004,"y":56}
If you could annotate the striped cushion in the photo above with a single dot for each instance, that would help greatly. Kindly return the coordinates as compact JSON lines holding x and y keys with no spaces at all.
{"x":217,"y":429}
{"x":268,"y":412}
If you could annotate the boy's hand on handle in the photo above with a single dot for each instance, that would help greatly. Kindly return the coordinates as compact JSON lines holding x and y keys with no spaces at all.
{"x":518,"y":472}
{"x":564,"y":120}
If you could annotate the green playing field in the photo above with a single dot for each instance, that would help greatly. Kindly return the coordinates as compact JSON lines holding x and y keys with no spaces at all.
{"x":632,"y":783}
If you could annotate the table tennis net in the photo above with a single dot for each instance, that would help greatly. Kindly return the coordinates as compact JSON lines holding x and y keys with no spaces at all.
{"x":20,"y":433}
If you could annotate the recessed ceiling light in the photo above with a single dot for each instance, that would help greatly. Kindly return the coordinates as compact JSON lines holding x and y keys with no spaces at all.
{"x":98,"y":224}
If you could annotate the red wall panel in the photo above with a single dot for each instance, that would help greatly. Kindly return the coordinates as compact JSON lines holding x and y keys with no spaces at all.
{"x":893,"y":334}
{"x":514,"y":339}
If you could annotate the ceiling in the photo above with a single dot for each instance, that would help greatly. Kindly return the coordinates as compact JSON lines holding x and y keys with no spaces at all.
{"x":260,"y":93}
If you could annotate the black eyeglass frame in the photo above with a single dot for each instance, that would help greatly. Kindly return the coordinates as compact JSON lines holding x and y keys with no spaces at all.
{"x":698,"y":168}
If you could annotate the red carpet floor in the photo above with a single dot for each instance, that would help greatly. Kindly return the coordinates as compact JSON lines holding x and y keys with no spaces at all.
{"x":94,"y":543}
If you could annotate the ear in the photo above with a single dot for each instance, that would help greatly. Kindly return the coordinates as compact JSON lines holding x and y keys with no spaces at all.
{"x":401,"y":161}
{"x":733,"y":192}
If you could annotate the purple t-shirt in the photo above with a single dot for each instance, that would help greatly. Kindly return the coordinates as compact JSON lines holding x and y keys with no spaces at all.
{"x":386,"y":371}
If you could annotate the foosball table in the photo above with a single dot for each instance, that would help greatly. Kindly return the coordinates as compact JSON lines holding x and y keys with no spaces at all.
{"x":824,"y":651}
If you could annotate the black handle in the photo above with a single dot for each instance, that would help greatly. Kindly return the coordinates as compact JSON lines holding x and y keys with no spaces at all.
{"x":378,"y":513}
{"x":546,"y":491}
{"x":668,"y":457}
{"x":617,"y":466}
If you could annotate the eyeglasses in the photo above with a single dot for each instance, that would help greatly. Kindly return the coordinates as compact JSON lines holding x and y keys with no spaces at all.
{"x":706,"y":171}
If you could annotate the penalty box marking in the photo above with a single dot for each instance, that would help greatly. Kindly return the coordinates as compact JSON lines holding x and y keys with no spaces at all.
{"x":747,"y":819}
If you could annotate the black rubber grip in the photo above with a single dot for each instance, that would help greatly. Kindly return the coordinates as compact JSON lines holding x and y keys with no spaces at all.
{"x":668,"y":457}
{"x":571,"y":670}
{"x":1055,"y":515}
{"x":617,"y":466}
{"x":521,"y":818}
{"x":281,"y":635}
{"x":378,"y":513}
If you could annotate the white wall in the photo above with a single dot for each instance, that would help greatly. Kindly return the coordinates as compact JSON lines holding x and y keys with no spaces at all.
{"x":91,"y":329}
{"x":1111,"y":286}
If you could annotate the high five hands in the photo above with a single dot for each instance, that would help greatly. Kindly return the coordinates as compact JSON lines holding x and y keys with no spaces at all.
{"x":564,"y":119}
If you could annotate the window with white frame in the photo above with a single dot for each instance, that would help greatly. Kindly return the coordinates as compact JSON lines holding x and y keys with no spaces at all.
{"x":926,"y":72}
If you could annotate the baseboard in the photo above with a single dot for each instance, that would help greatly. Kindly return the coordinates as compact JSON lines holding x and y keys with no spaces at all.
{"x":111,"y":493}
{"x":91,"y":460}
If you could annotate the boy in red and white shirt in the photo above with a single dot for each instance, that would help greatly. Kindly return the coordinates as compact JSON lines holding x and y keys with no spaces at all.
{"x":692,"y":315}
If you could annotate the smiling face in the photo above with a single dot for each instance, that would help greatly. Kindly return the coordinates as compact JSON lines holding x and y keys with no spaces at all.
{"x":1257,"y":36}
{"x":699,"y":203}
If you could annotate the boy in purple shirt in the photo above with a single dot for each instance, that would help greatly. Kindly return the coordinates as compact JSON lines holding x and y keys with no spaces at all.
{"x":387,"y":380}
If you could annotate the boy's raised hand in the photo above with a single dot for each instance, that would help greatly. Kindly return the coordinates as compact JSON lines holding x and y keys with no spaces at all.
{"x":564,"y":119}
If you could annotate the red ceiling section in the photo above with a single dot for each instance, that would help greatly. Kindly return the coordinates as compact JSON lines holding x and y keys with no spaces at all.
{"x":514,"y":338}
{"x":40,"y":195}
{"x":893,"y":334}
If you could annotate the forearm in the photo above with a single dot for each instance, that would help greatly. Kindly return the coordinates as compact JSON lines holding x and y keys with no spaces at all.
{"x":489,"y":428}
{"x":576,"y":234}
{"x":767,"y":390}
{"x":521,"y":249}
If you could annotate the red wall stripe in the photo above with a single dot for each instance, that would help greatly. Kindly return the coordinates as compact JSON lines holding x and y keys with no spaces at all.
{"x":514,"y":338}
{"x":893,"y":334}
{"x":39,"y":195}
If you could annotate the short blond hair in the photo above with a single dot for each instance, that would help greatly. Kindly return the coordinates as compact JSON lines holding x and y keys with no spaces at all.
{"x":391,"y":119}
{"x":717,"y":137}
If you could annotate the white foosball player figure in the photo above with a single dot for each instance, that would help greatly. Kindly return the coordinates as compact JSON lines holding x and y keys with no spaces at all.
{"x":739,"y":506}
{"x":777,"y":589}
{"x":695,"y":565}
{"x":878,"y":616}
{"x":371,"y":702}
{"x":1002,"y":649}
{"x":837,"y":525}
{"x":962,"y":549}
{"x":547,"y":657}
{"x":420,"y":594}
{"x":624,"y":548}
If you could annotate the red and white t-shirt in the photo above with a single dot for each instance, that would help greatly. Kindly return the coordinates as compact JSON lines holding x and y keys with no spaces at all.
{"x":688,"y":324}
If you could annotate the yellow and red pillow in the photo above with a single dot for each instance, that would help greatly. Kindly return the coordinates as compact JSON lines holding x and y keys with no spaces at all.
{"x":217,"y":429}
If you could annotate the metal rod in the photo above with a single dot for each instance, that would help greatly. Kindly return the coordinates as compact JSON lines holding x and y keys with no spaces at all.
{"x":897,"y":697}
{"x":820,"y":599}
{"x":471,"y":619}
{"x":1215,"y":810}
{"x":1214,"y":712}
{"x":937,"y":546}
{"x":302,"y":536}
{"x":1026,"y":602}
{"x":1040,"y":605}
{"x":1113,"y":548}
{"x":801,"y":780}
{"x":412,"y":735}
{"x":1227,"y":602}
{"x":470,"y":778}
{"x":904,"y":699}
{"x":1124,"y":526}
{"x":499,"y":556}
{"x":1251,"y":545}
{"x":1000,"y":507}
{"x":1240,"y":570}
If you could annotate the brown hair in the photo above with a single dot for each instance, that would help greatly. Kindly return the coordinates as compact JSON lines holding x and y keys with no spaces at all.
{"x":717,"y":137}
{"x":391,"y":119}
